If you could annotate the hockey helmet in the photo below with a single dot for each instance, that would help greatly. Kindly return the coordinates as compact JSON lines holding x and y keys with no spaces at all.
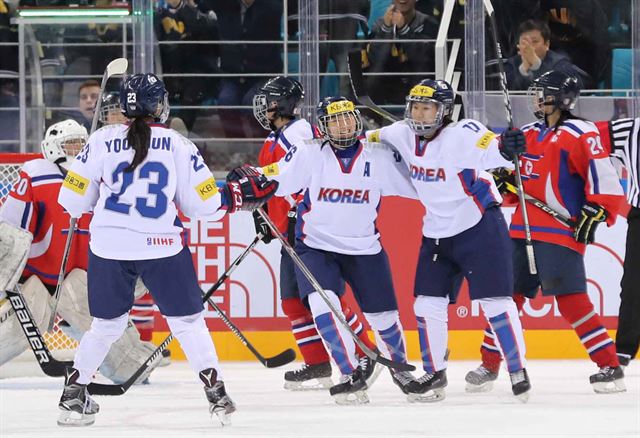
{"x":554,"y":88}
{"x":339,"y":121}
{"x":280,"y":94}
{"x":63,"y":140}
{"x":436,"y":92}
{"x":110,"y":112}
{"x":144,"y":94}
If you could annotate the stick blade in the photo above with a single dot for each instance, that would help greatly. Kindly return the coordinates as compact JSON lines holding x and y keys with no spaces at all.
{"x":117,"y":67}
{"x":55,"y":368}
{"x":398,"y":366}
{"x":105,"y":389}
{"x":281,"y":359}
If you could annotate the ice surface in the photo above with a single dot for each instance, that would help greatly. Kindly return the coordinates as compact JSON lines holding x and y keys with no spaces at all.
{"x":562,"y":404}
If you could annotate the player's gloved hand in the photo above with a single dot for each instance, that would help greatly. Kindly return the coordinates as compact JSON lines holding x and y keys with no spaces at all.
{"x":512,"y":143}
{"x":262,"y":227}
{"x":590,"y":216}
{"x":238,"y":173}
{"x":502,"y":178}
{"x":248,"y":193}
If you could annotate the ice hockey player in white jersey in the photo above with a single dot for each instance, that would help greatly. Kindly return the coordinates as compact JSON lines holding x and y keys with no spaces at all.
{"x":464,"y":231}
{"x":134,"y":178}
{"x":343,"y":180}
{"x":32,"y":205}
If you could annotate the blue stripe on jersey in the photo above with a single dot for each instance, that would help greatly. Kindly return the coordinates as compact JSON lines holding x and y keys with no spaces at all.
{"x":304,"y":207}
{"x":41,"y":208}
{"x":77,"y":231}
{"x":41,"y":274}
{"x":594,"y":176}
{"x":501,"y":325}
{"x":478,"y":189}
{"x":45,"y":177}
{"x":25,"y":216}
{"x":570,"y":187}
{"x":573,"y":127}
{"x":285,"y":141}
{"x":542,"y":230}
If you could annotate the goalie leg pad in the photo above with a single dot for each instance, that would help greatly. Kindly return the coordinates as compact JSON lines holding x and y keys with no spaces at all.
{"x":14,"y":253}
{"x":74,"y":302}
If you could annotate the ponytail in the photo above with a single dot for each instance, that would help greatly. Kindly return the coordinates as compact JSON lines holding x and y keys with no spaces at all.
{"x":138,"y":137}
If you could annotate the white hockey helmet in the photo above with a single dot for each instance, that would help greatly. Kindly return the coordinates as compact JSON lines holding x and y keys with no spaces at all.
{"x":63,"y":140}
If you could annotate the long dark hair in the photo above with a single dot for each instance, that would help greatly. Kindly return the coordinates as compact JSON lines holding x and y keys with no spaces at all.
{"x":138,"y":137}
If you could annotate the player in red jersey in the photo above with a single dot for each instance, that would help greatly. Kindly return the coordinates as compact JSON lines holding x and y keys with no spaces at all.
{"x":277,"y":108}
{"x":567,"y":167}
{"x":33,"y":205}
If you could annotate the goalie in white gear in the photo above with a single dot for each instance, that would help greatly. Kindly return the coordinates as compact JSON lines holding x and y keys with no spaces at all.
{"x":32,"y":205}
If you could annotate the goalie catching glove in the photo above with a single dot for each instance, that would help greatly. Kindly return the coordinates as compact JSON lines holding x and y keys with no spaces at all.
{"x":247,"y":189}
{"x":590,"y":216}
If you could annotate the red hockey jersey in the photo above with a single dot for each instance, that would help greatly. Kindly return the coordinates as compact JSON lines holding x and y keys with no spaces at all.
{"x":33,"y":205}
{"x":276,"y":146}
{"x":565,"y":168}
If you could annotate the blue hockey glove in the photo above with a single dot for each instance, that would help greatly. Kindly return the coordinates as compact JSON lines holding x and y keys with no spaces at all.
{"x":512,"y":143}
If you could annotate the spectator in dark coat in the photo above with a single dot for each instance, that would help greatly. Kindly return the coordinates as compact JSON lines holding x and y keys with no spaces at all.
{"x":534,"y":57}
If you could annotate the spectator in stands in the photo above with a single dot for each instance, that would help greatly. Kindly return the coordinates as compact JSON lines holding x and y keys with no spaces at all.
{"x":247,"y":20}
{"x":403,"y":23}
{"x":534,"y":57}
{"x":88,"y":93}
{"x":579,"y":29}
{"x":341,"y":20}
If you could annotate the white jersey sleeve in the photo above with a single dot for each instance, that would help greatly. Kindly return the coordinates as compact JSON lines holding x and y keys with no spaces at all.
{"x":396,"y":177}
{"x":293,"y":171}
{"x":198,"y":196}
{"x":478,"y":147}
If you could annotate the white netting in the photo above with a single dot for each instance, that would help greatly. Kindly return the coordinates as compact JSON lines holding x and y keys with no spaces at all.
{"x":60,"y":344}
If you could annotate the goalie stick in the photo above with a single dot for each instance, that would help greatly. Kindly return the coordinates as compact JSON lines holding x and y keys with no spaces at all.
{"x":281,"y":359}
{"x":49,"y":365}
{"x":373,"y":355}
{"x":116,"y":67}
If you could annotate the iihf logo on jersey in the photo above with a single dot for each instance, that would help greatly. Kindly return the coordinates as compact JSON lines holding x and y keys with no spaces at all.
{"x":346,"y":196}
{"x":160,"y":241}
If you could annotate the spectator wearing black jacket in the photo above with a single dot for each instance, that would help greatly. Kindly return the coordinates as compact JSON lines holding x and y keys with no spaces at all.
{"x":182,"y":21}
{"x":403,"y":23}
{"x":534,"y":57}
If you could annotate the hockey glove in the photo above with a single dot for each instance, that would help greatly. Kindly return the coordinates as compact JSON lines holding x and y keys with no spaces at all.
{"x":590,"y":216}
{"x":512,"y":143}
{"x":262,"y":227}
{"x":238,"y":173}
{"x":248,"y":193}
{"x":502,"y":177}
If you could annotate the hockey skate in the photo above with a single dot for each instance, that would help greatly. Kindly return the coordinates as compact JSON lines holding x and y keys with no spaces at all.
{"x":351,"y":390}
{"x":520,"y":385}
{"x":428,"y":388}
{"x":370,"y":369}
{"x":76,"y":405}
{"x":219,"y":402}
{"x":309,"y":377}
{"x":608,"y":380}
{"x":480,"y":380}
{"x":624,"y":360}
{"x":402,"y":379}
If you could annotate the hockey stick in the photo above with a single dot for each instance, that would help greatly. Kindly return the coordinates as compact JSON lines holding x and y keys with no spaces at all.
{"x":116,"y":67}
{"x":568,"y":222}
{"x":359,"y":90}
{"x":119,"y":389}
{"x":49,"y":365}
{"x":507,"y":106}
{"x":337,"y":314}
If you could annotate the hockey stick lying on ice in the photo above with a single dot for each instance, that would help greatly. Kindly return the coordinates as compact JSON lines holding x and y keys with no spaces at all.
{"x":49,"y":365}
{"x":281,"y":359}
{"x":116,"y":67}
{"x":337,"y":314}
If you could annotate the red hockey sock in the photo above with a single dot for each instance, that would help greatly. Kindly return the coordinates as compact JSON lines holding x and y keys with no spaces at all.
{"x":578,"y":311}
{"x":357,"y":327}
{"x":304,"y":331}
{"x":489,"y":350}
{"x":142,"y":316}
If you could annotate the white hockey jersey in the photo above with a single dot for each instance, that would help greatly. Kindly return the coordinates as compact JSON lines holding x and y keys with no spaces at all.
{"x":135,"y":214}
{"x":341,"y":195}
{"x":449,"y":172}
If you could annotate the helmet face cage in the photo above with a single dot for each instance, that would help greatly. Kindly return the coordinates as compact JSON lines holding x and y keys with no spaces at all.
{"x":536,"y":101}
{"x":110,"y":112}
{"x":341,"y":128}
{"x":162,"y":112}
{"x":539,"y":97}
{"x":421,"y":127}
{"x":63,"y":140}
{"x":260,"y":110}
